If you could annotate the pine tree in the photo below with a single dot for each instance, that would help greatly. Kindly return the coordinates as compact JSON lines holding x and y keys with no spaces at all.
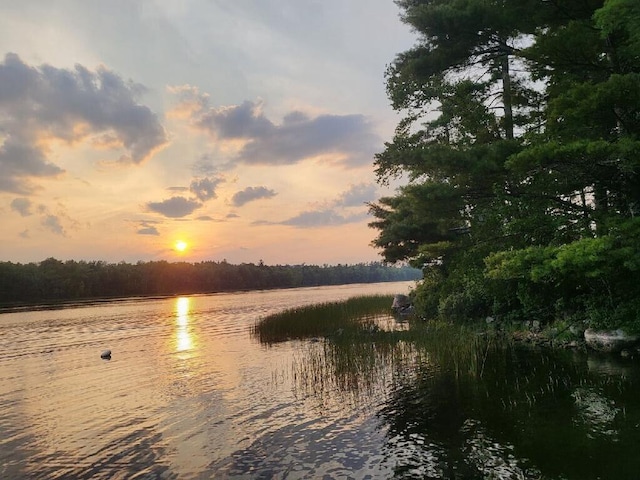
{"x":520,"y":143}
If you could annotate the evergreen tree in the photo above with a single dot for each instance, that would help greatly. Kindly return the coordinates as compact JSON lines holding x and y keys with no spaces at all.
{"x":521,"y":132}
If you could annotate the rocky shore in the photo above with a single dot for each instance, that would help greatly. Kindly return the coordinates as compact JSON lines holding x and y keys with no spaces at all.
{"x":617,"y":342}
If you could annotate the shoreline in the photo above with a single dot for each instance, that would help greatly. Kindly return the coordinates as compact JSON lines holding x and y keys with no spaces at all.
{"x":39,"y":305}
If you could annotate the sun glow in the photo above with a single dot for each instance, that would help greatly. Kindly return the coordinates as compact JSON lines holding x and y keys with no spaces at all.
{"x":181,"y":246}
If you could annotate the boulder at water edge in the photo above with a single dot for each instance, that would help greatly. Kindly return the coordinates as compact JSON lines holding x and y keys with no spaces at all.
{"x":400,"y":302}
{"x":609,"y":340}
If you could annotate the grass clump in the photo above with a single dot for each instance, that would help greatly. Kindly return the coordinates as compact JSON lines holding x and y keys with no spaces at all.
{"x":352,"y":326}
{"x":347,"y":318}
{"x":360,"y":347}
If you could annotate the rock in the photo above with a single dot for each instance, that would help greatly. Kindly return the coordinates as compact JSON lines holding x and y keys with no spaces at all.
{"x":400,"y":302}
{"x":106,"y":355}
{"x":577,"y":330}
{"x":408,"y":310}
{"x":609,"y":340}
{"x":402,"y":305}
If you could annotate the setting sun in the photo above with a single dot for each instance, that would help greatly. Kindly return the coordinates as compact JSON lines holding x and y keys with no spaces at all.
{"x":181,"y":246}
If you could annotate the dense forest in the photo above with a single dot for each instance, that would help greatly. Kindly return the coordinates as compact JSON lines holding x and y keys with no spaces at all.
{"x":55,"y":280}
{"x":520,"y":144}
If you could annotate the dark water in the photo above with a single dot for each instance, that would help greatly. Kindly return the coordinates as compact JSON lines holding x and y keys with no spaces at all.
{"x":188,"y":393}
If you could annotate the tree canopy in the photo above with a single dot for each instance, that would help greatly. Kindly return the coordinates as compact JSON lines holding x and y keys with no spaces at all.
{"x":520,"y":143}
{"x":53,"y":280}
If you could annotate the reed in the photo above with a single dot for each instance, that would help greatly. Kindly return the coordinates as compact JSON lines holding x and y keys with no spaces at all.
{"x":457,"y":347}
{"x":361,"y":365}
{"x":352,"y":352}
{"x":348,"y":318}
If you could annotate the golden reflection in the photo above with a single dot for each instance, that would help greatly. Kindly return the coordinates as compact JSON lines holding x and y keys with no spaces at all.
{"x":184,"y":336}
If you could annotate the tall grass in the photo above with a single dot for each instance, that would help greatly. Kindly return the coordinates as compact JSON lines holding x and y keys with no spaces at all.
{"x":363,"y":364}
{"x":456,"y":347}
{"x":346,"y":318}
{"x":355,"y":352}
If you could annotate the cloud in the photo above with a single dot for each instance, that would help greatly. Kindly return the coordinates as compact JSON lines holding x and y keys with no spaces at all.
{"x":322,"y":218}
{"x":205,"y":165}
{"x":205,"y":188}
{"x":42,"y":103}
{"x":349,"y":140}
{"x":22,"y":206}
{"x":147,"y":227}
{"x":357,"y":195}
{"x":330,"y":214}
{"x":20,"y":161}
{"x":175,"y":207}
{"x":250,"y":194}
{"x":234,"y":122}
{"x":151,"y":230}
{"x":52,"y":223}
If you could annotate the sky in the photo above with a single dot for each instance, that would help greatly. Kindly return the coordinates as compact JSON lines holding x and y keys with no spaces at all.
{"x":244,"y":129}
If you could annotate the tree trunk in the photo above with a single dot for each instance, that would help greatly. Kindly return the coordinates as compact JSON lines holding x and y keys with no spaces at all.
{"x":601,"y":201}
{"x":506,"y":97}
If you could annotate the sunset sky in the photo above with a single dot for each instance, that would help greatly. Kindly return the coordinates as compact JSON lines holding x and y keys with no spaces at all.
{"x":245,"y":129}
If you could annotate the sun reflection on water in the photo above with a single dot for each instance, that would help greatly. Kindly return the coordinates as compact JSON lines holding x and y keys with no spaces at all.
{"x":184,"y":337}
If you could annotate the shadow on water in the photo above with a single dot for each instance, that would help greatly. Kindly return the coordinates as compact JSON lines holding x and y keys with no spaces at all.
{"x":455,"y":404}
{"x":142,"y":459}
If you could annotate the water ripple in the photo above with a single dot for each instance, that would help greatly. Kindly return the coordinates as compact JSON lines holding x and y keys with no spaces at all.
{"x":188,"y":393}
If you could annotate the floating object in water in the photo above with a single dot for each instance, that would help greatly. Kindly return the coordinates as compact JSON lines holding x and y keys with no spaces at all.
{"x":106,"y":354}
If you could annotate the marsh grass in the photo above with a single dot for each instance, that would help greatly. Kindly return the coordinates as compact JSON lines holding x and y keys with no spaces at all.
{"x":349,"y":318}
{"x":459,"y":348}
{"x":408,"y":374}
{"x":361,"y":366}
{"x":358,"y":372}
{"x":352,"y":353}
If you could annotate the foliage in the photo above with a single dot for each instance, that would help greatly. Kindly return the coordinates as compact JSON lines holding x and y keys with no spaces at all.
{"x":599,"y":276}
{"x":521,"y":143}
{"x":54,"y":280}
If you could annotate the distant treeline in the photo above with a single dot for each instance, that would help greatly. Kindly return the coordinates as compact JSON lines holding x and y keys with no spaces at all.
{"x":54,"y":280}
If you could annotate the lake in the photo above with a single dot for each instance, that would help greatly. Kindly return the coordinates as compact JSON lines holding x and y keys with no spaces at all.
{"x":190,"y":393}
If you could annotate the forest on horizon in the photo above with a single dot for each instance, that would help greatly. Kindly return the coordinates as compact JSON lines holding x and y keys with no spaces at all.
{"x":54,"y":280}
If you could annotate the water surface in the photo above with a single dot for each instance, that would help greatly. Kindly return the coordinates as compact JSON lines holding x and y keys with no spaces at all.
{"x":189,"y":393}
